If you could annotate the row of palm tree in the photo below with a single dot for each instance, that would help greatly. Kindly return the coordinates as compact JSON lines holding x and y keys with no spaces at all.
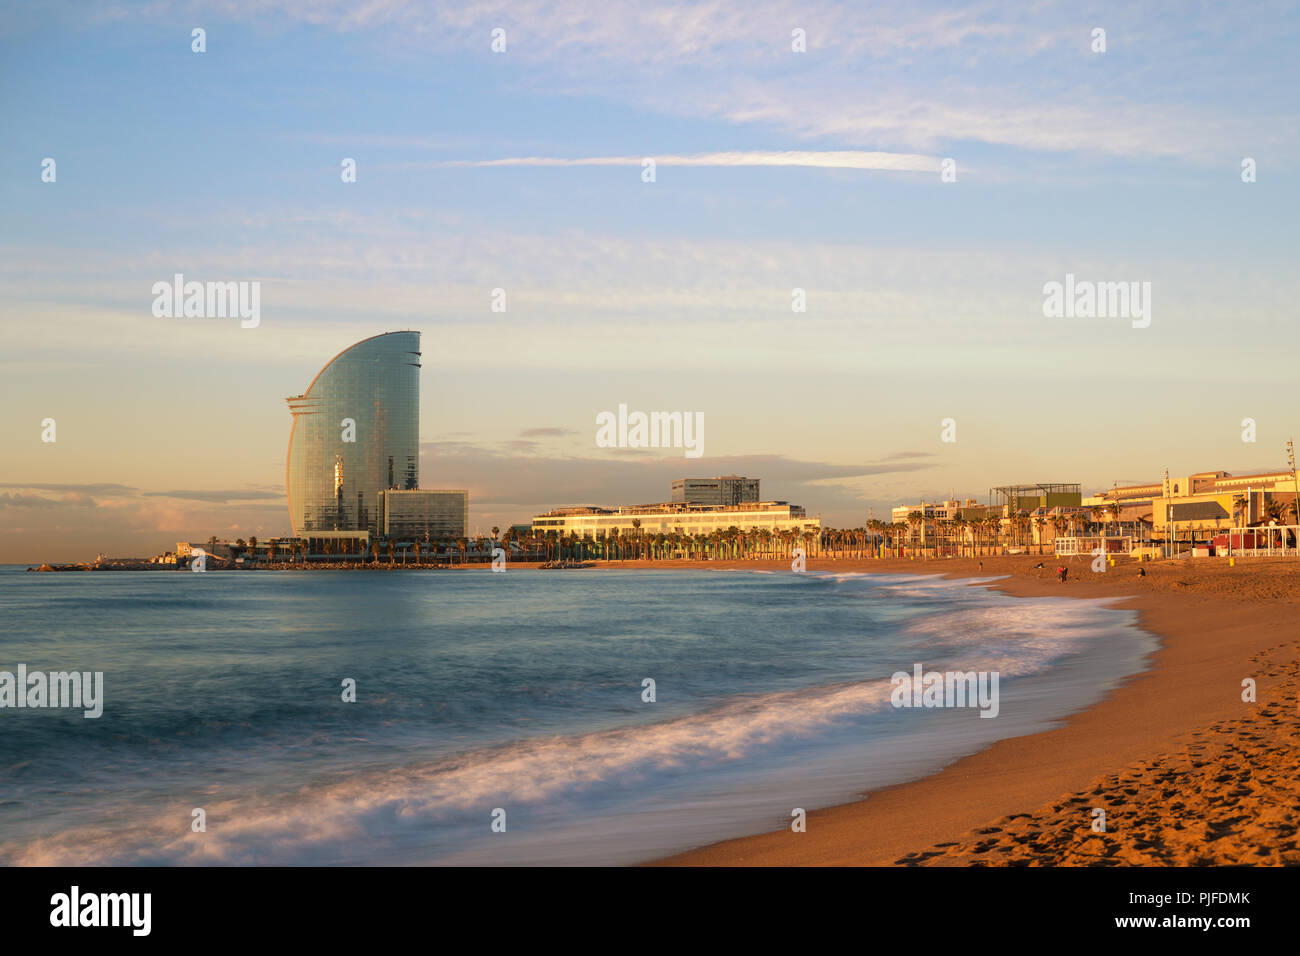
{"x":639,"y":544}
{"x":732,"y":543}
{"x":962,"y":535}
{"x":958,"y":536}
{"x":417,"y":552}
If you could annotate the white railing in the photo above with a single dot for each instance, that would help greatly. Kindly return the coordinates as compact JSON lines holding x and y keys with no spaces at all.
{"x":1270,"y":541}
{"x":1088,"y":543}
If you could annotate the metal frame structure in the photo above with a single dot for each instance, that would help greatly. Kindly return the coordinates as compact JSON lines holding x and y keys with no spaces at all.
{"x":1010,"y":493}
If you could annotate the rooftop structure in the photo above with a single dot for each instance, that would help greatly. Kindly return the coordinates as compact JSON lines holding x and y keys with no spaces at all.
{"x":1028,"y":497}
{"x":722,"y":490}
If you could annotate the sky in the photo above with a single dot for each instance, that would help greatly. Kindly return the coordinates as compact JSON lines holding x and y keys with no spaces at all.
{"x":522,"y":170}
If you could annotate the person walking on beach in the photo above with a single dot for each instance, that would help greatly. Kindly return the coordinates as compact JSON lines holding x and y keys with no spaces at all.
{"x":1061,"y":572}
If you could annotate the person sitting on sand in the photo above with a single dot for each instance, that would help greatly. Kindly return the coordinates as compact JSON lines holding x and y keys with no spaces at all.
{"x":1142,"y":572}
{"x":1061,"y":572}
{"x":981,"y":565}
{"x":1038,"y":565}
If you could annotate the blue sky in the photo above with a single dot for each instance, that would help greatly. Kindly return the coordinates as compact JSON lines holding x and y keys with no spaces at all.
{"x":924,"y":297}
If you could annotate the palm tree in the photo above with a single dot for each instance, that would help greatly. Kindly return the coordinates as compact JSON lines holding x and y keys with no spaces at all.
{"x":957,"y":533}
{"x":914,"y":520}
{"x":1113,"y":509}
{"x":1022,"y":524}
{"x":1059,"y":524}
{"x":994,"y":524}
{"x":1240,"y":506}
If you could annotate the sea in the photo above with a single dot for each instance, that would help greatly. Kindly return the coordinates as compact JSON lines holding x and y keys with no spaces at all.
{"x":471,"y":717}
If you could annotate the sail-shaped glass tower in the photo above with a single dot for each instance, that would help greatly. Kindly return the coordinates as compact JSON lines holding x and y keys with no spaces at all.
{"x":356,"y":432}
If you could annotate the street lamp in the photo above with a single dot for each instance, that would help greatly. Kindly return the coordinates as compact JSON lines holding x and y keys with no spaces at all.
{"x":1290,"y":457}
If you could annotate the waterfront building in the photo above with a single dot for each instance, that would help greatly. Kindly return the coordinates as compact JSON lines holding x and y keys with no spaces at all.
{"x":1211,"y":501}
{"x":1198,"y":505}
{"x":947,"y":510}
{"x":355,"y":433}
{"x":1123,"y":510}
{"x":677,"y":517}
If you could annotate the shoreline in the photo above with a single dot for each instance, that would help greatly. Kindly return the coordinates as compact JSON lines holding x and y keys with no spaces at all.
{"x":1178,"y":731}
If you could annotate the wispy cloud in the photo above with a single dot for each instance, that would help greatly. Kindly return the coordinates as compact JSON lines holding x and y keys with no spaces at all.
{"x":546,"y":432}
{"x":823,"y":159}
{"x":217,"y":496}
{"x":914,"y":74}
{"x":100,"y":488}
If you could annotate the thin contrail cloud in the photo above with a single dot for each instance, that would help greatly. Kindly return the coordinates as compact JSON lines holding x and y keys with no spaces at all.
{"x":827,"y":159}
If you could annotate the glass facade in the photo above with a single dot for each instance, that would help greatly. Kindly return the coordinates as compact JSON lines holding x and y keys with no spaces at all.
{"x":336,"y":468}
{"x":724,"y":490}
{"x":426,"y":515}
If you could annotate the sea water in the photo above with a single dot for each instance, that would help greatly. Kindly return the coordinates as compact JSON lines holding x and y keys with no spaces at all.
{"x":501,"y":718}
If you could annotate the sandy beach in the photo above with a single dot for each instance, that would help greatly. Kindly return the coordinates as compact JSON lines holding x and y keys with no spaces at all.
{"x":1185,"y":770}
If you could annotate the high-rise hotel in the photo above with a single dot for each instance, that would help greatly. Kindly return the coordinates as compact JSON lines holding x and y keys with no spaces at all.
{"x":353,"y":463}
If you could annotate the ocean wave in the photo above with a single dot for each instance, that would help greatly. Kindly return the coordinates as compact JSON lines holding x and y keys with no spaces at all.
{"x":316,"y":824}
